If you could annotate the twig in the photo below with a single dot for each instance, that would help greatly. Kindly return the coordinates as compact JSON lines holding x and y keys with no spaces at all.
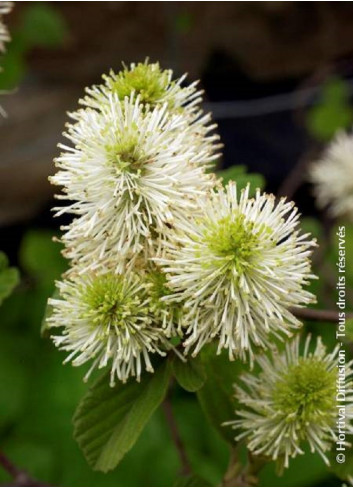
{"x":234,"y":473}
{"x":297,"y":175}
{"x":240,"y":476}
{"x":178,"y":442}
{"x":20,"y":478}
{"x":318,"y":314}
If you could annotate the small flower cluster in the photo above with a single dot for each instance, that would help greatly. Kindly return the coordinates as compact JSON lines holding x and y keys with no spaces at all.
{"x":238,"y":268}
{"x":292,"y":401}
{"x":332,"y":177}
{"x":157,"y":248}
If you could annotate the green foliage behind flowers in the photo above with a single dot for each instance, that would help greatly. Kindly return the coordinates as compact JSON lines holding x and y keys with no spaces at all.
{"x":333,"y":112}
{"x":238,"y":174}
{"x":39,"y":25}
{"x":9,"y":277}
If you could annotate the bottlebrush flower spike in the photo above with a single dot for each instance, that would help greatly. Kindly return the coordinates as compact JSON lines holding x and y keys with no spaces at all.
{"x":132,"y":175}
{"x":239,"y":268}
{"x":292,"y":401}
{"x":332,"y":177}
{"x":108,"y":319}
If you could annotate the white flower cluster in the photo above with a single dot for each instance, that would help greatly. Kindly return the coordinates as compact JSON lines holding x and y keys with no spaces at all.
{"x":332,"y":177}
{"x":5,"y":8}
{"x":293,"y":401}
{"x":136,"y":169}
{"x":160,"y":253}
{"x":238,"y":268}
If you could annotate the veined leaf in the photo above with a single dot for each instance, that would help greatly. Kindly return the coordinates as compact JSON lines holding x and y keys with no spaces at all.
{"x":109,"y":420}
{"x":191,"y":375}
{"x":216,"y":397}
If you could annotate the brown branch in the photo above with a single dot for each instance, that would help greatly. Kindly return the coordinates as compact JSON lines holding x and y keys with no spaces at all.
{"x":240,"y":476}
{"x":178,"y":442}
{"x":318,"y":314}
{"x":20,"y":478}
{"x":297,"y":175}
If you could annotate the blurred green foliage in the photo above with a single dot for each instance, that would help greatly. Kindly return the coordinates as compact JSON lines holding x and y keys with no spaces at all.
{"x":9,"y":277}
{"x":184,"y":22}
{"x":39,"y":24}
{"x":238,"y":174}
{"x":333,"y":112}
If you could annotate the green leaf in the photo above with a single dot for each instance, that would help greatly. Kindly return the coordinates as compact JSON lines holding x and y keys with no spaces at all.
{"x":4,"y":262}
{"x":191,"y":375}
{"x":109,"y":420}
{"x":9,"y":278}
{"x":216,"y":397}
{"x":41,"y":257}
{"x":312,"y":226}
{"x":38,"y":24}
{"x":238,"y":174}
{"x":325,"y":121}
{"x":333,"y":112}
{"x":335,"y":90}
{"x":43,"y":25}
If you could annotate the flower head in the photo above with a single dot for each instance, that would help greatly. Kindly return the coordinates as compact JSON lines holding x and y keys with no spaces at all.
{"x":5,"y":8}
{"x":131,"y":175}
{"x":332,"y":176}
{"x":108,"y":318}
{"x":239,"y":267}
{"x":155,"y":87}
{"x":171,"y":315}
{"x":292,"y":401}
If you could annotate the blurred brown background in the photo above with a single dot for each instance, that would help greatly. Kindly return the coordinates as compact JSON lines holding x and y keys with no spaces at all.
{"x":240,"y":51}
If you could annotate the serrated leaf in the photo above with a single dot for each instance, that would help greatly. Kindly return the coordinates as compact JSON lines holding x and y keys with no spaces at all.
{"x":109,"y":420}
{"x":190,"y":375}
{"x":9,"y":277}
{"x":216,"y":397}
